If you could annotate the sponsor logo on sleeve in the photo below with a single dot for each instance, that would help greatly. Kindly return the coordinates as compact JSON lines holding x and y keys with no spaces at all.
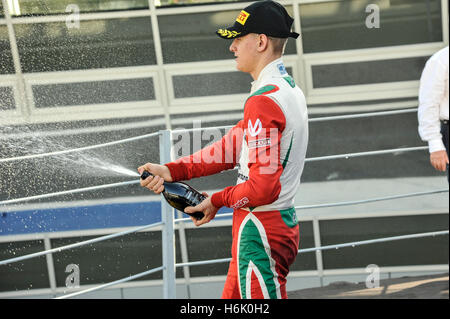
{"x":255,"y":129}
{"x":240,"y":203}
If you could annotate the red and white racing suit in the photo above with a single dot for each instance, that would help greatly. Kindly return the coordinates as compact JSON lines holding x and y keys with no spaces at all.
{"x":269,"y":148}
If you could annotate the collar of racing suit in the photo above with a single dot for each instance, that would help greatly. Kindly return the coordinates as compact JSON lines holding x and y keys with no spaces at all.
{"x":273,"y":69}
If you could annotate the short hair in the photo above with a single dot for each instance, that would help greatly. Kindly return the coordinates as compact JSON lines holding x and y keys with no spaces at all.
{"x":279,"y":44}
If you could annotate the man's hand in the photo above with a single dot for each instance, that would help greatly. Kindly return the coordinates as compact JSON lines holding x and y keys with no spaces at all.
{"x":155,"y":184}
{"x":439,"y":160}
{"x":206,"y":207}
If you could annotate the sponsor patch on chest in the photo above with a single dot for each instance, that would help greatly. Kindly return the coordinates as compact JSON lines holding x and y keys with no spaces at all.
{"x":259,"y":143}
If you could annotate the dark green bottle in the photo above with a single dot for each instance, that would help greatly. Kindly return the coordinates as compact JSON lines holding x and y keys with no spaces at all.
{"x":180,"y":195}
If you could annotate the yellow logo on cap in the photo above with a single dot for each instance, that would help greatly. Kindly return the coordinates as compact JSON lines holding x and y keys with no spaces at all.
{"x":243,"y":16}
{"x":227,"y":33}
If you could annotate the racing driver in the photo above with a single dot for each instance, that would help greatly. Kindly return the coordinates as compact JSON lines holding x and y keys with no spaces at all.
{"x":268,"y":145}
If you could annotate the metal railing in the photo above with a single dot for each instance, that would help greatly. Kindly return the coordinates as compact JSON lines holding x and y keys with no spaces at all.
{"x":80,"y":149}
{"x":167,"y":213}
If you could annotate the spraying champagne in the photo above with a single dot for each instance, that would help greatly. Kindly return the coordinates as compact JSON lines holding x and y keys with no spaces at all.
{"x":180,"y":195}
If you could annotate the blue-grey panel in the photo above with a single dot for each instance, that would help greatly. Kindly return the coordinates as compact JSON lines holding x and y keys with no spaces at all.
{"x":96,"y":44}
{"x":6,"y":61}
{"x":48,"y":7}
{"x":341,"y":25}
{"x":418,"y":251}
{"x":7,"y":101}
{"x":27,"y":274}
{"x":221,"y":83}
{"x":82,"y":93}
{"x":368,"y":72}
{"x":82,"y":218}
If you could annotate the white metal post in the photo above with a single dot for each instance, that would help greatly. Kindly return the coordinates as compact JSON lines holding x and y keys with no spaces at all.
{"x":317,"y":243}
{"x":23,"y":103}
{"x":160,"y":84}
{"x":184,"y":255}
{"x":50,"y":265}
{"x":167,"y":217}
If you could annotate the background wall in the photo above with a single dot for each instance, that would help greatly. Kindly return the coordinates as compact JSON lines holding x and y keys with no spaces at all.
{"x":118,"y":69}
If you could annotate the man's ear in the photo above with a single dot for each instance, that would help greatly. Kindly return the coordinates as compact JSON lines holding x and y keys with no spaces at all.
{"x":263,"y":42}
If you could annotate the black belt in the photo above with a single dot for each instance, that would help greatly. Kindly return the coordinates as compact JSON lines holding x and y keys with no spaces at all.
{"x":444,"y":122}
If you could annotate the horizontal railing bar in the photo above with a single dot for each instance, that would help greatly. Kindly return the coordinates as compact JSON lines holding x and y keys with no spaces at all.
{"x":81,"y":131}
{"x":196,"y":129}
{"x":32,"y":156}
{"x":145,"y":273}
{"x":187,"y":219}
{"x":203,"y":262}
{"x":371,"y":200}
{"x":79,"y":244}
{"x":218,"y":216}
{"x":72,"y":191}
{"x":354,"y":116}
{"x":341,"y":203}
{"x":85,"y":148}
{"x":312,"y":159}
{"x":307,"y":250}
{"x":315,"y":119}
{"x":373,"y":241}
{"x":351,"y":155}
{"x":82,"y":16}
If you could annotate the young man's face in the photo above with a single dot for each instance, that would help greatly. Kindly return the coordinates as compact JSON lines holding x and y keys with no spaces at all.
{"x":245,"y":51}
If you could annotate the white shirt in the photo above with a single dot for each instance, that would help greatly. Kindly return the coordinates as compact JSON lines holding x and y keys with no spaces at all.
{"x":433,"y":100}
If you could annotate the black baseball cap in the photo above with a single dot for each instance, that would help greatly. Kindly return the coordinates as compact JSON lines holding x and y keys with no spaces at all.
{"x":263,"y":17}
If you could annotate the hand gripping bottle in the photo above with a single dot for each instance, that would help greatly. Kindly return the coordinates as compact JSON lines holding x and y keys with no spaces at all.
{"x":180,"y":195}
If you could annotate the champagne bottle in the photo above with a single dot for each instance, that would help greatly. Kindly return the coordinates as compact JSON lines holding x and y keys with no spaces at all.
{"x":180,"y":195}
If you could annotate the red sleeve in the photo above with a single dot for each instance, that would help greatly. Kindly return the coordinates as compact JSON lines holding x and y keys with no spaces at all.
{"x":264,"y":123}
{"x":212,"y":159}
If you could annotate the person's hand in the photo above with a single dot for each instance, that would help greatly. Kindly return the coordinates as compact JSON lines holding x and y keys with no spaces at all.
{"x":439,"y":160}
{"x":206,"y":207}
{"x":155,"y":183}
